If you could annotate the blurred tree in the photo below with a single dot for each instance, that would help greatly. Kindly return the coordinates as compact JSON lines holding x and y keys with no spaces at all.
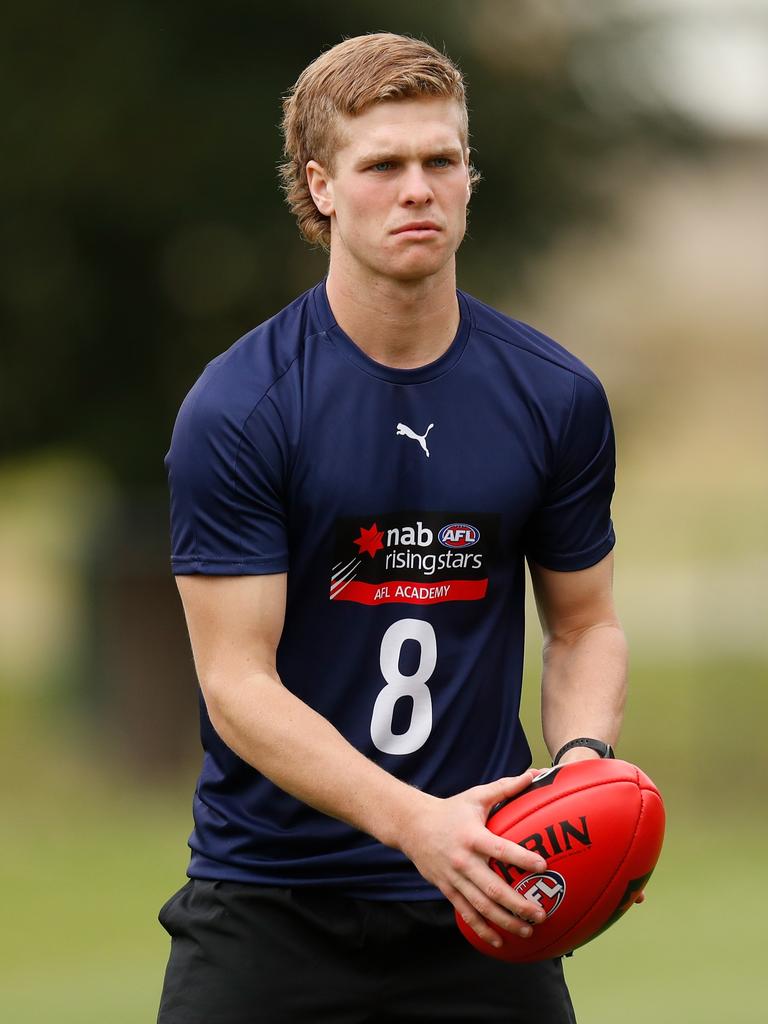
{"x":145,"y":227}
{"x":145,"y":231}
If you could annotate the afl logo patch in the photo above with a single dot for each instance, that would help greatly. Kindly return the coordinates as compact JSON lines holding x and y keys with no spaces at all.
{"x":547,"y":889}
{"x":458,"y":535}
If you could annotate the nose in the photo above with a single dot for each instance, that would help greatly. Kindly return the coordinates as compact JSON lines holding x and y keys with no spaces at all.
{"x":416,"y":189}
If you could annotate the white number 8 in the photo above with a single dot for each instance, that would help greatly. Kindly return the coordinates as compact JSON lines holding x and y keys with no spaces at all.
{"x":398,"y":685}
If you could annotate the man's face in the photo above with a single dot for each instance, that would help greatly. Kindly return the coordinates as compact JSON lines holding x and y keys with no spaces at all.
{"x":401,"y":163}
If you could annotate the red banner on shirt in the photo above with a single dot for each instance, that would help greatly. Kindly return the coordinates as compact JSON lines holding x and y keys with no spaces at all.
{"x":408,"y":592}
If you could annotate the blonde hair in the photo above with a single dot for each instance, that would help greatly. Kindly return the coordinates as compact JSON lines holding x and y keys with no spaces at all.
{"x":346,"y":80}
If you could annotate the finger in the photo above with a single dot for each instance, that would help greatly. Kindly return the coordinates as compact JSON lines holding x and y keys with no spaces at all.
{"x":494,"y":792}
{"x":485,"y":903}
{"x":506,"y":852}
{"x":473,"y":919}
{"x":640,"y":898}
{"x":497,"y":900}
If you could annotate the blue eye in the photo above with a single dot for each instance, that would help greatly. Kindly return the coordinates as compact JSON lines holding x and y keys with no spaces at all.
{"x":383,"y":165}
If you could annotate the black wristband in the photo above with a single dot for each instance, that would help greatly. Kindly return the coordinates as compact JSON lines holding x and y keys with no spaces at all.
{"x":602,"y":748}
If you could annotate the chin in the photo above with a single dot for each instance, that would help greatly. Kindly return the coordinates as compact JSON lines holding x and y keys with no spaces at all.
{"x":417,"y":264}
{"x":413,"y":273}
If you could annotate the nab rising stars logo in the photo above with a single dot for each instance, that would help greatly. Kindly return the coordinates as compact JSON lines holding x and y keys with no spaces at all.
{"x":413,"y":557}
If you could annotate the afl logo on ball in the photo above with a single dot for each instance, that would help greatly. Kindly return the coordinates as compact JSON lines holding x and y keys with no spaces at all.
{"x":547,"y":889}
{"x":458,"y":535}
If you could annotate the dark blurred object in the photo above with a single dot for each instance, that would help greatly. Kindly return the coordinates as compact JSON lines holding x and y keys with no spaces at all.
{"x":146,"y":230}
{"x":139,"y":677}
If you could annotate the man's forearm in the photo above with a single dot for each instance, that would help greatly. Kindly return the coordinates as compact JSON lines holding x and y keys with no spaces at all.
{"x":302,"y":753}
{"x":235,"y":625}
{"x":584,"y":685}
{"x":446,"y":838}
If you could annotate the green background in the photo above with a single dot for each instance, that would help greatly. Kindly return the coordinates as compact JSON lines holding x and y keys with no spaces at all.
{"x":622,"y":211}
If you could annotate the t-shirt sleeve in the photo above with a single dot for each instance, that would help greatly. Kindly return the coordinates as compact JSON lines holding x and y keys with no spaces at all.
{"x":226,"y":476}
{"x":572,"y":528}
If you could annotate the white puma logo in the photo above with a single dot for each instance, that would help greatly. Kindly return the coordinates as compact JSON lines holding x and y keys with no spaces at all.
{"x":404,"y":430}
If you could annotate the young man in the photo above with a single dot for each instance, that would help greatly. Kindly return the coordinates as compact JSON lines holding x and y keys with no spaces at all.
{"x":355,"y":487}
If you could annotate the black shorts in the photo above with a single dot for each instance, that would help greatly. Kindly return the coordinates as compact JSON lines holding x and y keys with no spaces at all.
{"x":249,"y":954}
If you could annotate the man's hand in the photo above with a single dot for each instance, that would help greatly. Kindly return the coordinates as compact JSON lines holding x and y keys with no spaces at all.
{"x":448,"y":842}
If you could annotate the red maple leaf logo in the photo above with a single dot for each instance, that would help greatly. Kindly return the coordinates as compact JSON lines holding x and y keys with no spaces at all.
{"x":370,"y":541}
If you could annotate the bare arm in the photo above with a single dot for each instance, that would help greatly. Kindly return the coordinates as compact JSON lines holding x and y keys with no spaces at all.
{"x":585,"y":657}
{"x":235,"y":625}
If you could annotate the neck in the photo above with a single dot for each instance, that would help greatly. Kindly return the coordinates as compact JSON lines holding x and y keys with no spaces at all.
{"x":402,"y":324}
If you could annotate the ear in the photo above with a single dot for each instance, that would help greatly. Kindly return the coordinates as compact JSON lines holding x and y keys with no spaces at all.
{"x":320,"y":187}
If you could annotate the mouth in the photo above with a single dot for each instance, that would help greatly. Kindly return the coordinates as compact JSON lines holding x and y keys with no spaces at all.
{"x":419,"y":229}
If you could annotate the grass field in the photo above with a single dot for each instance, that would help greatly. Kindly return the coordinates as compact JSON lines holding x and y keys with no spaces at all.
{"x":88,"y":858}
{"x":694,"y":951}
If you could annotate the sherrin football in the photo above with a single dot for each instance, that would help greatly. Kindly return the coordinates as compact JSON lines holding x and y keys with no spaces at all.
{"x":600,"y":826}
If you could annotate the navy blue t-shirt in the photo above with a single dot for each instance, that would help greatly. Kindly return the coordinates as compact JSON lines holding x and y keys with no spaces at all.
{"x":402,"y":504}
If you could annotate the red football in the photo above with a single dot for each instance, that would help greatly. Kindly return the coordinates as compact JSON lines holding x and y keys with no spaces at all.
{"x":600,"y":825}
